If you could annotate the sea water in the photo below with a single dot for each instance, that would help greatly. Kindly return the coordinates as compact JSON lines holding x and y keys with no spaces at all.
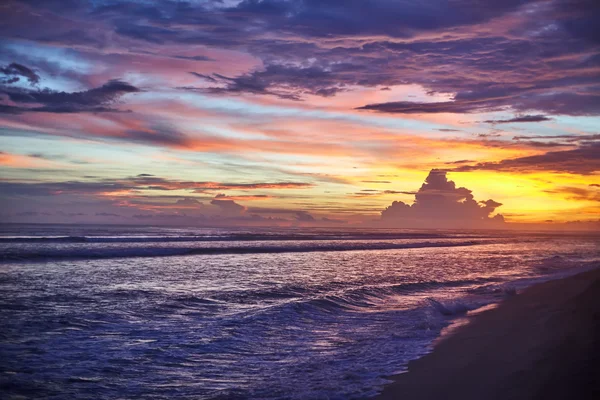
{"x":113,"y":312}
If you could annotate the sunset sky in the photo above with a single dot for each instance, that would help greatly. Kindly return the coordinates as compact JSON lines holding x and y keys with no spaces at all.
{"x":313,"y":112}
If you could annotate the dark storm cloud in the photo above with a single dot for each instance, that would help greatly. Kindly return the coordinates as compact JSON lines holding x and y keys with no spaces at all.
{"x":584,"y":160}
{"x":100,"y":99}
{"x":439,"y":200}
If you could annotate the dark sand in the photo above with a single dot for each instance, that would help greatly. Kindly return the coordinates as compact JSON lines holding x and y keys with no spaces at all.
{"x":543,"y":343}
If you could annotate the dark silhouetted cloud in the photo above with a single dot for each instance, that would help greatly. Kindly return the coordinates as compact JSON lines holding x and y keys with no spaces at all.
{"x":14,"y":72}
{"x":100,"y":99}
{"x":565,"y":138}
{"x":584,"y":160}
{"x":142,"y":182}
{"x":577,"y":193}
{"x":522,"y":118}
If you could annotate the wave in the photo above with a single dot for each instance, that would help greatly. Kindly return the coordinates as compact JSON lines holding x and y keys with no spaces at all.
{"x":228,"y":237}
{"x":26,"y":254}
{"x":451,"y":308}
{"x":314,"y":301}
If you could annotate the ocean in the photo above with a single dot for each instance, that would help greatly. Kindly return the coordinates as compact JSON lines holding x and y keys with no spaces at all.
{"x":121,"y":312}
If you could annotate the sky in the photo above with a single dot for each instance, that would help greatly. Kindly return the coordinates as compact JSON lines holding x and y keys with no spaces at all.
{"x":432,"y":113}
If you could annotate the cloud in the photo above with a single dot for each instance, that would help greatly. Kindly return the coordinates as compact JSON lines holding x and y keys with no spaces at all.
{"x":14,"y":72}
{"x":520,"y":100}
{"x":584,"y":160}
{"x":141,"y":182}
{"x":577,"y":193}
{"x":304,"y":216}
{"x":106,"y":214}
{"x":229,"y":208}
{"x":284,"y":81}
{"x":521,"y":55}
{"x":204,"y":76}
{"x":566,"y":138}
{"x":164,"y":216}
{"x":188,"y":203}
{"x":522,"y":118}
{"x":100,"y":99}
{"x":439,"y":203}
{"x":195,"y":58}
{"x":160,"y":135}
{"x":460,"y":162}
{"x":409,"y":107}
{"x":252,"y":186}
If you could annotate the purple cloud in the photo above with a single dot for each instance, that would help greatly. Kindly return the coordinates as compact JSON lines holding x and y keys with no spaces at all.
{"x":439,"y":203}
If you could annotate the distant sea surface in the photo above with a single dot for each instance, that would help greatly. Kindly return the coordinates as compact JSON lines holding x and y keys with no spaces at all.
{"x":113,"y":312}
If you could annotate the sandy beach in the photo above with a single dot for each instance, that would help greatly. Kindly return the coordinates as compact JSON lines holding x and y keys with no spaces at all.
{"x":543,"y":343}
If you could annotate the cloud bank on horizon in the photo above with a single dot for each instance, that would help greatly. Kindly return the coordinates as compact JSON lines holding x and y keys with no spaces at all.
{"x":299,"y":111}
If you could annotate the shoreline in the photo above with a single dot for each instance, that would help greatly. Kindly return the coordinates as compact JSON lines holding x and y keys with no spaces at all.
{"x":543,"y":343}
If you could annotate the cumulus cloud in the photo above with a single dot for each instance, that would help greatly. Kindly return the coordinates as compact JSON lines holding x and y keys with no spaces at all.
{"x":188,"y":203}
{"x":439,"y":203}
{"x":304,"y":216}
{"x":229,"y":208}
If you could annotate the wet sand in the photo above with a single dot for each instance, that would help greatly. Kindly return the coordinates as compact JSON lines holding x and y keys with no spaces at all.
{"x":543,"y":343}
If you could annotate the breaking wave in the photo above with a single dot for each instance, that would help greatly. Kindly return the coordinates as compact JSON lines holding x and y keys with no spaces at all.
{"x":29,"y":254}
